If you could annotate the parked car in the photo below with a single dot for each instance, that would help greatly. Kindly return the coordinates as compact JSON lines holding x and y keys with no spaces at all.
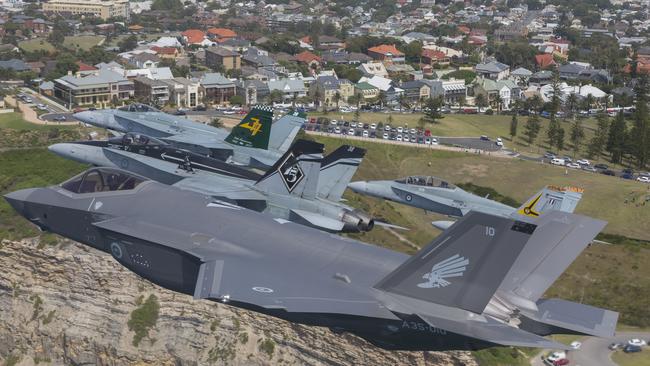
{"x":385,"y":136}
{"x":643,"y":179}
{"x":583,"y":161}
{"x":615,"y":346}
{"x":557,"y":161}
{"x":485,"y":138}
{"x":60,"y":118}
{"x":575,"y":345}
{"x":387,"y":128}
{"x":631,"y":349}
{"x":364,"y":133}
{"x":434,"y":141}
{"x":556,"y":356}
{"x":373,"y":126}
{"x":627,"y":176}
{"x":351,"y":132}
{"x":400,"y":129}
{"x":637,"y":342}
{"x":561,"y":362}
{"x":589,"y":168}
{"x":573,"y":165}
{"x":549,"y":155}
{"x":337,"y":129}
{"x":601,"y":166}
{"x":406,"y":138}
{"x":608,"y":172}
{"x":399,"y":138}
{"x":427,"y":140}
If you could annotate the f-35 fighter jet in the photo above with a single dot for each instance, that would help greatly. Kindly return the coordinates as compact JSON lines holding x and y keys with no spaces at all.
{"x":302,"y":186}
{"x":256,"y":141}
{"x":439,"y":196}
{"x":477,"y":285}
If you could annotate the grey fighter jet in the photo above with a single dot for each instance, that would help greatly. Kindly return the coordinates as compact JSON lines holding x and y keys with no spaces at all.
{"x":302,"y":186}
{"x":436,"y":195}
{"x":477,"y":285}
{"x":255,"y":142}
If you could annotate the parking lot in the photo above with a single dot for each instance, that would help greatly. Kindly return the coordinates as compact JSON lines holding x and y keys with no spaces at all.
{"x":399,"y":134}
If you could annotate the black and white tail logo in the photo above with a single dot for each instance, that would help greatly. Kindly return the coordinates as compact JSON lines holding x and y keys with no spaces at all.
{"x":290,"y":172}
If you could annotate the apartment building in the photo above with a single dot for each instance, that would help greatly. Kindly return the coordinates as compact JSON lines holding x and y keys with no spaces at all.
{"x":97,"y":87}
{"x":100,"y":9}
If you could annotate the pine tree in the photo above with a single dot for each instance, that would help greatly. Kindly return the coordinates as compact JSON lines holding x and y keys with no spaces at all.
{"x":559,"y":139}
{"x":598,"y":143}
{"x":639,"y":140}
{"x":617,"y":138}
{"x":553,"y":132}
{"x":513,"y":126}
{"x":531,"y":129}
{"x":577,"y":136}
{"x":431,"y":112}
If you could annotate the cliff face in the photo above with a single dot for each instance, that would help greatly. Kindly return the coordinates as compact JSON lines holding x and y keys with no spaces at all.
{"x":68,"y":304}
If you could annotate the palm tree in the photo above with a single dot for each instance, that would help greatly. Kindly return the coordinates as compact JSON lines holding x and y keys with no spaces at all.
{"x":249,"y":92}
{"x":498,"y":101}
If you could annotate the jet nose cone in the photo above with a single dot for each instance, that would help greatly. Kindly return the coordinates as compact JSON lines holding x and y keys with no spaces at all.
{"x":17,"y":199}
{"x":360,"y":186}
{"x":86,"y":117}
{"x":64,"y":150}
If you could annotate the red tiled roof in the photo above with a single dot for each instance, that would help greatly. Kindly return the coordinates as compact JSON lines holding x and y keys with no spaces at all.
{"x":544,"y":60}
{"x":433,"y":54}
{"x":306,"y":57}
{"x":222,"y":32}
{"x":194,"y":36}
{"x":306,"y":39}
{"x":164,"y":50}
{"x":463,"y":29}
{"x":385,"y":49}
{"x":85,"y":67}
{"x":642,"y":66}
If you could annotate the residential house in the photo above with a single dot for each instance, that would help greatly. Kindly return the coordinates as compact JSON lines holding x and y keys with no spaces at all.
{"x":325,"y":43}
{"x":344,"y":57}
{"x":451,"y":91}
{"x":366,"y":93}
{"x":511,"y":33}
{"x":385,"y":86}
{"x":290,"y":88}
{"x":253,"y":91}
{"x":184,"y":92}
{"x":386,"y":53}
{"x":325,"y":89}
{"x":374,"y":68}
{"x":220,"y":58}
{"x":144,"y":60}
{"x":98,"y":87}
{"x":217,"y":89}
{"x":435,"y":58}
{"x":151,"y":91}
{"x":15,"y":65}
{"x":541,"y":78}
{"x":258,"y":58}
{"x":220,"y":35}
{"x":307,"y":58}
{"x":195,"y":37}
{"x":166,"y":52}
{"x":545,"y":61}
{"x":506,"y":91}
{"x":416,"y":91}
{"x":492,"y":70}
{"x":521,"y":75}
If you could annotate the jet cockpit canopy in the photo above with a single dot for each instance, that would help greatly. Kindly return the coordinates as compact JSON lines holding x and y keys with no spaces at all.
{"x":427,"y":181}
{"x":132,"y":138}
{"x":138,"y":107}
{"x":102,"y":180}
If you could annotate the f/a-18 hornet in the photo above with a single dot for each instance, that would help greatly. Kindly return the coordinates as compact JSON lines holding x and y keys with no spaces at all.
{"x":439,"y":196}
{"x":256,"y":141}
{"x":301,"y":186}
{"x":479,"y":284}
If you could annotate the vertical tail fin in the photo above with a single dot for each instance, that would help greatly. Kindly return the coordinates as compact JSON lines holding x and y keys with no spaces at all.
{"x":563,"y":199}
{"x":337,"y":170}
{"x":296,"y":172}
{"x":465,"y":265}
{"x":254,"y":130}
{"x":285,"y":130}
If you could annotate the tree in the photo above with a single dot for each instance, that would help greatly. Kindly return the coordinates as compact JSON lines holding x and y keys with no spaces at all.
{"x":553,"y":132}
{"x":480,"y":101}
{"x":571,"y":104}
{"x":617,"y":138}
{"x":513,"y":126}
{"x":128,"y":43}
{"x":216,"y":122}
{"x":532,"y":128}
{"x":577,"y":136}
{"x":250,"y":92}
{"x":535,"y":103}
{"x":598,"y":142}
{"x":357,"y":115}
{"x":432,"y":111}
{"x":640,"y":134}
{"x":275,"y":96}
{"x":237,"y":100}
{"x":337,"y":99}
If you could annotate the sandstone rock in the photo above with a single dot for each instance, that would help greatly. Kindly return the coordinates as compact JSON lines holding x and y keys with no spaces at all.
{"x":69,"y":305}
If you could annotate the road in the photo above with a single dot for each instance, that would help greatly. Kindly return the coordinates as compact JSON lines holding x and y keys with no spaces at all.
{"x":594,"y":351}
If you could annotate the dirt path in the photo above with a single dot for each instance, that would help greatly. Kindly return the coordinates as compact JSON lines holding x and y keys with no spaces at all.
{"x":401,"y":238}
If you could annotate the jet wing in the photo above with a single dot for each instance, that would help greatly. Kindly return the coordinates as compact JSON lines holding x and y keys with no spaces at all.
{"x":317,"y":220}
{"x":232,"y":273}
{"x":492,"y":331}
{"x":219,"y":187}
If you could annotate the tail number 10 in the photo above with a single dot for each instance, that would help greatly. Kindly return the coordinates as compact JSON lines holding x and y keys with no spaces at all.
{"x":490,"y":231}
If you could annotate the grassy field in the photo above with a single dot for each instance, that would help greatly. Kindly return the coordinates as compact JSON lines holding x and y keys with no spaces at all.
{"x":632,"y":359}
{"x":35,"y":45}
{"x":82,"y":42}
{"x":15,"y":121}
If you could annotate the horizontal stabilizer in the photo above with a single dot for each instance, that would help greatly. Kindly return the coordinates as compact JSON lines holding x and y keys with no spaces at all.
{"x":549,"y":198}
{"x":573,"y":317}
{"x":316,"y":220}
{"x":492,"y":331}
{"x":464,"y":266}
